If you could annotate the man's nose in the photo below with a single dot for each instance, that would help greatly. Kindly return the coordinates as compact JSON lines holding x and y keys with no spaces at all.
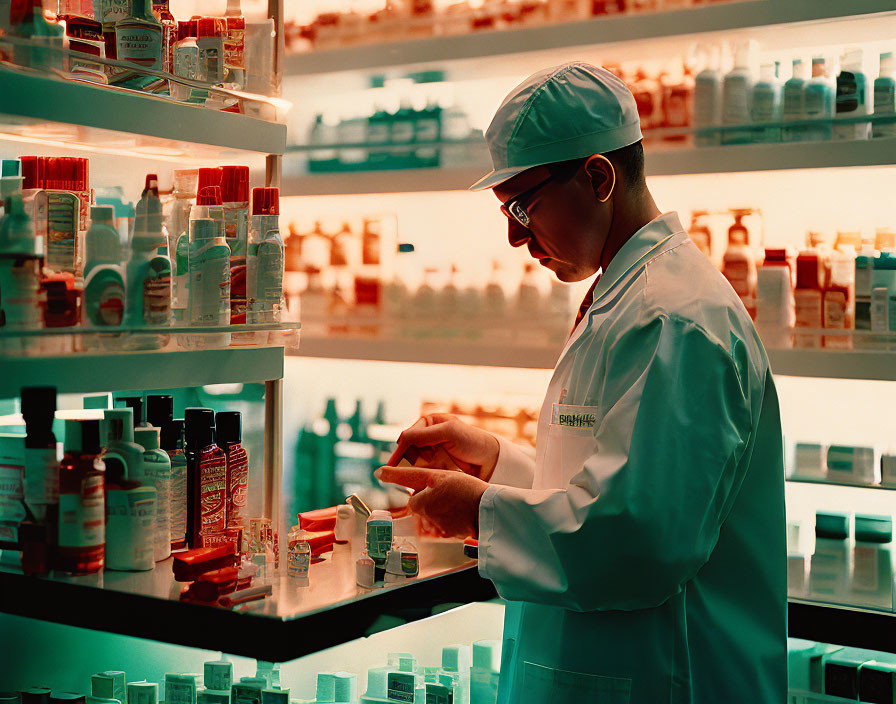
{"x":517,"y":234}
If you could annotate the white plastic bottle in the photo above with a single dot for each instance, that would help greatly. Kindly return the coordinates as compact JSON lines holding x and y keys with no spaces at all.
{"x":885,"y":97}
{"x":209,"y":281}
{"x":264,"y":264}
{"x":157,"y":473}
{"x":853,"y":99}
{"x":737,"y":92}
{"x":766,"y":104}
{"x":793,"y":101}
{"x":774,"y":300}
{"x":819,"y":103}
{"x":708,"y":101}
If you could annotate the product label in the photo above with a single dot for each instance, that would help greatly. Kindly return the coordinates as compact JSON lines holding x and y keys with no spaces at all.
{"x":379,"y":541}
{"x":238,"y":468}
{"x":236,"y":228}
{"x":109,"y":306}
{"x":410,"y":564}
{"x":439,"y":694}
{"x":865,"y":568}
{"x":400,"y":686}
{"x":82,"y":516}
{"x":213,"y":493}
{"x":63,"y":213}
{"x":772,"y":288}
{"x":110,"y":11}
{"x":129,"y":525}
{"x":270,"y":274}
{"x":11,"y":492}
{"x":157,"y":293}
{"x":157,"y":465}
{"x":41,"y":478}
{"x":298,"y":561}
{"x":186,"y":62}
{"x":209,"y":288}
{"x":19,"y":290}
{"x":140,"y":43}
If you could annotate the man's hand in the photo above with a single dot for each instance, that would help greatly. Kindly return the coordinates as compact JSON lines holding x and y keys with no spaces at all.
{"x":448,"y":500}
{"x":473,"y":450}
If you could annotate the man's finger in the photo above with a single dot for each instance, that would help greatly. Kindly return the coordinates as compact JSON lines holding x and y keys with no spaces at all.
{"x":421,"y":436}
{"x":411,"y":477}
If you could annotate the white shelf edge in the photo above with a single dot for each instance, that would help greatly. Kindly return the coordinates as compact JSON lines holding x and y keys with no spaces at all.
{"x":670,"y":162}
{"x":436,"y":351}
{"x":591,"y":32}
{"x":830,"y":364}
{"x":83,"y":373}
{"x":37,"y":97}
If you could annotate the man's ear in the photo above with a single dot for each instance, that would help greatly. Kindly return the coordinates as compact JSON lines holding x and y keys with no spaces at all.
{"x":602,"y":175}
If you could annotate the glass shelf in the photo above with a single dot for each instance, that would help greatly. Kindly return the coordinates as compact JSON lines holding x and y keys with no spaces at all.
{"x":295,"y":621}
{"x":820,"y":481}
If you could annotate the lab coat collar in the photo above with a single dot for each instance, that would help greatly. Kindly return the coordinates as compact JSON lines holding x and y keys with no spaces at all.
{"x":637,"y":246}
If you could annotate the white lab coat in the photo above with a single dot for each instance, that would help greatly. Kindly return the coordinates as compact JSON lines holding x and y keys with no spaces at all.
{"x":642,"y":551}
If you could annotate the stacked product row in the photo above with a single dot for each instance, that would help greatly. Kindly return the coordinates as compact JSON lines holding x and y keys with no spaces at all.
{"x":465,"y":676}
{"x":821,"y":672}
{"x":857,"y":574}
{"x":843,"y":464}
{"x":212,"y":266}
{"x":125,"y":492}
{"x":425,"y":18}
{"x":136,"y":44}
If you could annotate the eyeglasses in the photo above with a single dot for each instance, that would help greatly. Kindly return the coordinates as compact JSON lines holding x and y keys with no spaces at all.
{"x":514,"y":207}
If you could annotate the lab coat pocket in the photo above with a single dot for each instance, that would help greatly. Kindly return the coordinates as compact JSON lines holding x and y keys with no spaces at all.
{"x":570,"y":442}
{"x":545,"y":685}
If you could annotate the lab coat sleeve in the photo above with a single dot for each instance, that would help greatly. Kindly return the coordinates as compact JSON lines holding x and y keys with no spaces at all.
{"x":644,"y":513}
{"x":516,"y":465}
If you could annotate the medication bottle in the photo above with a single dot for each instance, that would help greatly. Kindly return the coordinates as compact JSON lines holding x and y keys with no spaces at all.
{"x":863,"y":283}
{"x":235,"y":197}
{"x":228,"y":426}
{"x":765,"y":105}
{"x":808,"y":299}
{"x":737,"y":92}
{"x":379,"y":536}
{"x":774,"y":300}
{"x":157,"y":473}
{"x":209,"y":296}
{"x":793,"y":101}
{"x":872,"y":573}
{"x":265,"y":261}
{"x":20,"y":266}
{"x":171,"y":440}
{"x":130,"y":515}
{"x":853,"y":99}
{"x":410,"y":562}
{"x":739,"y":264}
{"x":819,"y":103}
{"x":212,"y":494}
{"x":298,"y":556}
{"x":365,"y":571}
{"x":82,"y":519}
{"x":885,"y":97}
{"x":708,"y":101}
{"x":838,"y":298}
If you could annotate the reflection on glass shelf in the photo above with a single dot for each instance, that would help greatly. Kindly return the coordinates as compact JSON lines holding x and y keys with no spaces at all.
{"x":797,"y":479}
{"x":116,"y":339}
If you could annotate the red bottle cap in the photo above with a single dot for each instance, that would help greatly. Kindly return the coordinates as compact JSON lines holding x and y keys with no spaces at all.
{"x":209,"y":195}
{"x":206,"y":27}
{"x":208,"y":177}
{"x":152,"y":184}
{"x":235,"y":184}
{"x":266,"y":201}
{"x":31,"y":168}
{"x":186,"y":29}
{"x":807,"y":273}
{"x":775,"y":255}
{"x":82,"y":175}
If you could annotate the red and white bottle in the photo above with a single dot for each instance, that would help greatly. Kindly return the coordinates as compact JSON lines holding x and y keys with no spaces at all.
{"x":228,"y":428}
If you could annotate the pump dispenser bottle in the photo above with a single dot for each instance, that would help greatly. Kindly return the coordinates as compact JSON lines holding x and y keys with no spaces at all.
{"x":82,"y":520}
{"x":209,"y":289}
{"x":157,"y":473}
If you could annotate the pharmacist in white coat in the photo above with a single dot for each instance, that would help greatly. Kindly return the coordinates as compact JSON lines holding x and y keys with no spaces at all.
{"x":642,"y":550}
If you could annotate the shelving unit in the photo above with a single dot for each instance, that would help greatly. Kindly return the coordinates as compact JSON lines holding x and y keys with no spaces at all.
{"x":659,"y":161}
{"x":601,"y":30}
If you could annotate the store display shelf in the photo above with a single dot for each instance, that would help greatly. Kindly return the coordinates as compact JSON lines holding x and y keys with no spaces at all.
{"x":658,"y":162}
{"x":40,"y":108}
{"x":843,"y":625}
{"x":84,"y":373}
{"x":430,"y":351}
{"x":599,"y":30}
{"x":834,"y":364}
{"x":296,"y":621}
{"x":833,"y":483}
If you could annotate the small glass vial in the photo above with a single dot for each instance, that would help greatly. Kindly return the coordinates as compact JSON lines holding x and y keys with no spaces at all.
{"x":410,"y":562}
{"x":298,"y":558}
{"x":394,"y":573}
{"x":364,"y":571}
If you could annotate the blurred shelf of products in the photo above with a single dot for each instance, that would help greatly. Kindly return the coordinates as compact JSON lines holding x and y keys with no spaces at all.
{"x":223,"y":62}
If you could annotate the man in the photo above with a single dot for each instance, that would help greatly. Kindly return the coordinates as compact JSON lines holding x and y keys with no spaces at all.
{"x":642,"y":551}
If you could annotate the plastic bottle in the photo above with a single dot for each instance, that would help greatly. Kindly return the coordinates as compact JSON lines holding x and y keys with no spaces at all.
{"x":885,"y":97}
{"x":235,"y":196}
{"x":119,"y":432}
{"x":102,"y":243}
{"x":172,"y":441}
{"x":708,"y":101}
{"x":209,"y":298}
{"x":883,"y":288}
{"x":838,"y":298}
{"x":766,"y":104}
{"x":20,"y":268}
{"x":739,"y":264}
{"x":228,"y":425}
{"x":104,"y":303}
{"x":157,"y":473}
{"x":863,"y":286}
{"x":130,"y":513}
{"x":379,"y":537}
{"x":397,"y":292}
{"x":162,"y":13}
{"x":298,"y":555}
{"x":265,"y":262}
{"x":853,"y":99}
{"x":41,"y":478}
{"x":185,"y":57}
{"x":210,"y":40}
{"x":737,"y":91}
{"x":774,"y":300}
{"x":793,"y":101}
{"x":699,"y":233}
{"x":819,"y":103}
{"x":212,"y":487}
{"x":235,"y":45}
{"x":82,"y":513}
{"x":149,"y":290}
{"x":808,"y":299}
{"x":138,"y":38}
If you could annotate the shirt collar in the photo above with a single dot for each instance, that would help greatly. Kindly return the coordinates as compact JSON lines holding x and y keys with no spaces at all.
{"x":636,"y":248}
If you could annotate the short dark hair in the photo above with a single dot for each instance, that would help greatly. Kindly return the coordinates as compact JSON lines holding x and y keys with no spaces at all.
{"x":630,"y":160}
